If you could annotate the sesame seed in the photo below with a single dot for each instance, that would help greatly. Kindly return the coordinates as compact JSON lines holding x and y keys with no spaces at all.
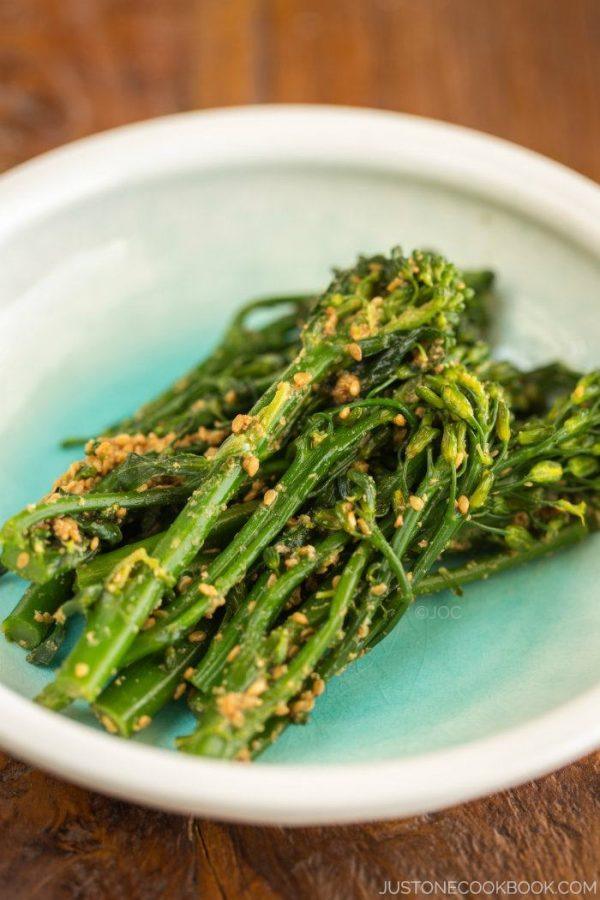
{"x":196,"y":636}
{"x":301,"y":379}
{"x":180,"y":690}
{"x":142,"y":722}
{"x":463,"y":505}
{"x":240,"y":423}
{"x":346,"y":388}
{"x":269,"y":497}
{"x":109,"y":724}
{"x":44,"y":617}
{"x":318,"y":686}
{"x":359,"y":330}
{"x":257,"y":687}
{"x":279,"y":670}
{"x":379,"y":589}
{"x":251,"y":465}
{"x":183,"y":583}
{"x":363,"y":527}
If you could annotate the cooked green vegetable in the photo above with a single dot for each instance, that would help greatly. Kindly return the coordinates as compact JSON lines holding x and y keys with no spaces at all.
{"x":33,"y":616}
{"x":270,"y":517}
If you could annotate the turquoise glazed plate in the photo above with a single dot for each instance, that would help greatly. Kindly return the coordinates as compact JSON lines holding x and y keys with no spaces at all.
{"x":121,"y":258}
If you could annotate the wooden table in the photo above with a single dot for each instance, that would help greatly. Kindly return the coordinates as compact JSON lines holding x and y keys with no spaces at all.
{"x":528,"y":70}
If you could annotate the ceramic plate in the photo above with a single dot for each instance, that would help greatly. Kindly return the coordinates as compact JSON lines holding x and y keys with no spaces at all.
{"x":121,"y":258}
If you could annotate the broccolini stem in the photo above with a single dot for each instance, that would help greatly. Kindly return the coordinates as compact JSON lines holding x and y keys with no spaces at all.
{"x":230,"y":566}
{"x":261,"y":607}
{"x":481,"y":569}
{"x":140,"y":691}
{"x":43,"y":565}
{"x":99,"y":568}
{"x":231,"y":738}
{"x":32,"y":618}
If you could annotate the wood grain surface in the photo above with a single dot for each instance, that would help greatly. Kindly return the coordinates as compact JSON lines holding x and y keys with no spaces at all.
{"x":527,"y":70}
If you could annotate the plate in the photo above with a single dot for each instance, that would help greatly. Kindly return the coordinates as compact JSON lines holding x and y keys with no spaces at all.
{"x":121,"y":257}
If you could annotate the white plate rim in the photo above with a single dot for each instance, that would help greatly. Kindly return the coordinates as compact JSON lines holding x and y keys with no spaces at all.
{"x":282,"y":793}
